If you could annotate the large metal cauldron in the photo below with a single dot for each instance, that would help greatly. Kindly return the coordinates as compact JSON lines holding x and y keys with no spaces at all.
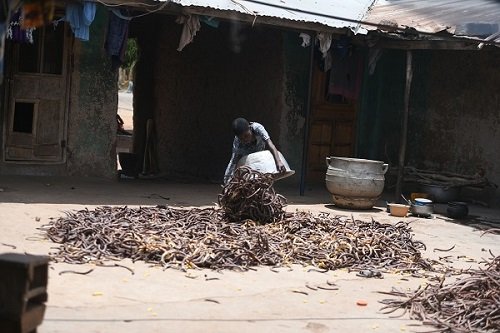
{"x":355,"y":183}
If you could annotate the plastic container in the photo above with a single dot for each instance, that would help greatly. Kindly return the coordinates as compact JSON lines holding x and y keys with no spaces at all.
{"x":263,"y":161}
{"x":399,"y":210}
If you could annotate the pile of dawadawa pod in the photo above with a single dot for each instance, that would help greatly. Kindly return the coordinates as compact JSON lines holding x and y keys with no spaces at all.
{"x":469,"y":304}
{"x":205,"y":238}
{"x":250,"y":195}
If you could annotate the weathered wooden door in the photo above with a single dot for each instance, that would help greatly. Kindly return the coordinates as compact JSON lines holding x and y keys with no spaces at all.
{"x":332,"y":126}
{"x":37,"y":101}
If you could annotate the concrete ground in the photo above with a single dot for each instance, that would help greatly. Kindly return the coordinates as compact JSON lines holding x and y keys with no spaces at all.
{"x":153,"y":300}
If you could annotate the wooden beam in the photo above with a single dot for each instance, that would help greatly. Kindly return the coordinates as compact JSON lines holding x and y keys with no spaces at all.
{"x":404,"y":127}
{"x":305,"y":147}
{"x":388,"y":43}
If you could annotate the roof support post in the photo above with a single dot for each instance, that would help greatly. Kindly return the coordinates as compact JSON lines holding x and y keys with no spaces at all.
{"x":404,"y":126}
{"x":305,"y":148}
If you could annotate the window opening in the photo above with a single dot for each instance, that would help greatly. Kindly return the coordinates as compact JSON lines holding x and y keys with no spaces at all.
{"x":23,"y":117}
{"x":46,"y":54}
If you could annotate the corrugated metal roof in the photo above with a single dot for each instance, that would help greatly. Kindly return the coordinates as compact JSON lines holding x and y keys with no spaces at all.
{"x":284,"y":9}
{"x":460,"y":17}
{"x":471,"y":18}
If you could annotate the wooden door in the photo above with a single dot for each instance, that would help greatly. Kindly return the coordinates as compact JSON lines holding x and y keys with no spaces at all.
{"x":37,"y":102}
{"x":332,"y":126}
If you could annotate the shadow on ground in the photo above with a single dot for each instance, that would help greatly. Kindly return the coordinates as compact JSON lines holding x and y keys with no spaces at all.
{"x":91,"y":191}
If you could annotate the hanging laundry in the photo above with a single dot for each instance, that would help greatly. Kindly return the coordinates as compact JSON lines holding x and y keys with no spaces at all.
{"x":210,"y":21}
{"x":325,"y":41}
{"x":327,"y":62}
{"x":342,"y":46}
{"x":346,"y":75}
{"x":116,"y":40}
{"x":37,"y":13}
{"x":191,"y":27}
{"x":16,"y":33}
{"x":306,"y":39}
{"x":373,"y":57}
{"x":80,"y":16}
{"x":5,"y":11}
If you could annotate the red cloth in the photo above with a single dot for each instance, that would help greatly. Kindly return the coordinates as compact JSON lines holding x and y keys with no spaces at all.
{"x":346,"y":75}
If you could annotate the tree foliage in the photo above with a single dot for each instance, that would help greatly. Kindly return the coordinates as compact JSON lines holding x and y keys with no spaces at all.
{"x":131,"y":53}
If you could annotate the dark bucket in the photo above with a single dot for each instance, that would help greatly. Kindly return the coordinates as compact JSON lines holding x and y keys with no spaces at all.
{"x":129,"y":163}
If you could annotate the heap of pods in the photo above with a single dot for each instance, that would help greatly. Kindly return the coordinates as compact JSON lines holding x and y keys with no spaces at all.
{"x":250,"y":195}
{"x":470,"y":304}
{"x":195,"y":238}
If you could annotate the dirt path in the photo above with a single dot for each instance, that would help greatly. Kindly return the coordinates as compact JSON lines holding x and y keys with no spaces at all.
{"x":126,"y":109}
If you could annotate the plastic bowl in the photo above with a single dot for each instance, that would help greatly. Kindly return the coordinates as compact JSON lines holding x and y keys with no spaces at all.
{"x":399,"y":210}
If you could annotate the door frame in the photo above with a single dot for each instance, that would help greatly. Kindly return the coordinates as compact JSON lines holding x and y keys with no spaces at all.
{"x":321,"y":109}
{"x":11,"y":70}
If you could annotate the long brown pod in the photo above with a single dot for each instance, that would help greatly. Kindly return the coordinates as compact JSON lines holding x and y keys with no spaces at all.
{"x":251,"y":228}
{"x":469,"y":304}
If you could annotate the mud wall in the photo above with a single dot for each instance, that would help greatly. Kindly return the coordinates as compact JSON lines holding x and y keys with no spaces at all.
{"x":295,"y":91}
{"x":93,"y":106}
{"x":232,"y":71}
{"x":91,"y":117}
{"x":456,"y":125}
{"x":454,"y":111}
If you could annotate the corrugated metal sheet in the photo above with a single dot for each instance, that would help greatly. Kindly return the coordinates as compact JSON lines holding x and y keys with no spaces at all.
{"x":472,"y":18}
{"x":284,"y":9}
{"x":460,"y":17}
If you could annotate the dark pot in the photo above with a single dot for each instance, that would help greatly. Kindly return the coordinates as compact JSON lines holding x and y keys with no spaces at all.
{"x":130,"y":164}
{"x":457,"y":210}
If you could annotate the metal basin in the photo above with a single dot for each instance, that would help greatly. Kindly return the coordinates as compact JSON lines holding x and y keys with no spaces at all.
{"x":423,"y":210}
{"x":355,"y":183}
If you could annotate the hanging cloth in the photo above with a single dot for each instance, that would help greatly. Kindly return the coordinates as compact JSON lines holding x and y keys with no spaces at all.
{"x":16,"y":33}
{"x":325,"y":41}
{"x":116,"y":39}
{"x":80,"y":16}
{"x":191,"y":26}
{"x":210,"y":21}
{"x":346,"y":75}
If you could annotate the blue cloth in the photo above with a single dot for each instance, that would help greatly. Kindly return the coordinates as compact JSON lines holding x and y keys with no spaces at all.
{"x":210,"y":21}
{"x":117,"y":35}
{"x":80,"y":16}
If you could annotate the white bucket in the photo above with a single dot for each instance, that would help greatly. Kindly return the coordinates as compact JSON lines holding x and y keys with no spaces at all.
{"x":263,"y":161}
